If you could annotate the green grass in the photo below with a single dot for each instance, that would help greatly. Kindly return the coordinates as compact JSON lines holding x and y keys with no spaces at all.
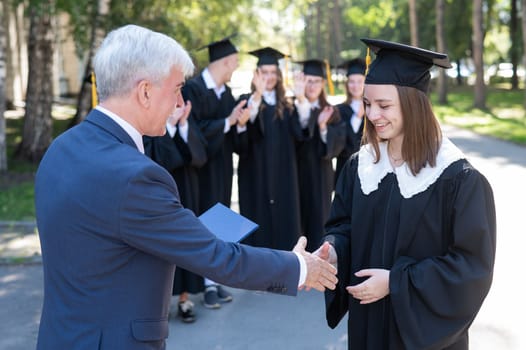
{"x":16,"y":186}
{"x":16,"y":203}
{"x":505,"y":118}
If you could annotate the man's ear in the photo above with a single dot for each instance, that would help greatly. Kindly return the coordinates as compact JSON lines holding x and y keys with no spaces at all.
{"x":143,"y":93}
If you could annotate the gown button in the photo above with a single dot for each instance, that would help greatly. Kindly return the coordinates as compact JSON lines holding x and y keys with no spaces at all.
{"x":271,"y":201}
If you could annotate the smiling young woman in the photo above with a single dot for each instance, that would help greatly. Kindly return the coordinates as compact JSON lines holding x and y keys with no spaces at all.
{"x":412,"y":224}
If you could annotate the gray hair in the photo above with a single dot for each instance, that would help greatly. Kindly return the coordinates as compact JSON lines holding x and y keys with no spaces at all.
{"x":132,"y":53}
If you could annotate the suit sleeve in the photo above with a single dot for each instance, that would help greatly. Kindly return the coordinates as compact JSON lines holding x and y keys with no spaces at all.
{"x":154,"y":221}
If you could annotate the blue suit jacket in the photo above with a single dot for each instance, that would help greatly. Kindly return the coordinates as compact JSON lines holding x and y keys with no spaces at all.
{"x":112,"y":229}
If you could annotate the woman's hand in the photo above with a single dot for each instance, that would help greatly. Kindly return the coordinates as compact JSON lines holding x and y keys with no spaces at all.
{"x":373,"y":289}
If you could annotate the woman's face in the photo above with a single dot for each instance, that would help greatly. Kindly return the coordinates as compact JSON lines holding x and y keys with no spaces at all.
{"x":382,"y":108}
{"x":313,"y":87}
{"x":355,"y":84}
{"x":270,"y":74}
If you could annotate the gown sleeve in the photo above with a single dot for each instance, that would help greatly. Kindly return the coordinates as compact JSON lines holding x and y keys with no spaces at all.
{"x":338,"y":229}
{"x":436,"y":298}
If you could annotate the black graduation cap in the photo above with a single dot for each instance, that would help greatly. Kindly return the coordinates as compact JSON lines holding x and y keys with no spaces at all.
{"x":267,"y":55}
{"x":221,"y":48}
{"x":404,"y":65}
{"x":314,"y":67}
{"x":354,"y":66}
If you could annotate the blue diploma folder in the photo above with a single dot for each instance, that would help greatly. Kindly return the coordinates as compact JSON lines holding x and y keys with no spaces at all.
{"x":226,"y":224}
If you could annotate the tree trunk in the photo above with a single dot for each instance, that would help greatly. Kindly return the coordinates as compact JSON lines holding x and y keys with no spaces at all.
{"x":441,"y":47}
{"x":38,"y":123}
{"x":3,"y":64}
{"x":84,"y":102}
{"x":524,"y":43}
{"x":514,"y":48}
{"x":478,"y":46}
{"x":413,"y":23}
{"x":309,"y":30}
{"x":337,"y":32}
{"x":319,"y":24}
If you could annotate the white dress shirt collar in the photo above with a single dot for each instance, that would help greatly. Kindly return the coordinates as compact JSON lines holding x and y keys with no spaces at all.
{"x":315,"y":104}
{"x":270,"y":97}
{"x":130,"y":130}
{"x":211,"y":84}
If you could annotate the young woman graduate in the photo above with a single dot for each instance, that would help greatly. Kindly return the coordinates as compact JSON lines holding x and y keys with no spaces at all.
{"x":267,"y":171}
{"x":352,"y":111}
{"x":323,"y":138}
{"x":412,"y":224}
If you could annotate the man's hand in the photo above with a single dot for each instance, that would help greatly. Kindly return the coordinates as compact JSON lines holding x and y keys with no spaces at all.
{"x":243,"y":117}
{"x":186,"y":112}
{"x":327,"y":252}
{"x":236,"y":112}
{"x":320,"y":273}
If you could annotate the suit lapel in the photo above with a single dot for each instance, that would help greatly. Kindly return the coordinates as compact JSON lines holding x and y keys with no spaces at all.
{"x":103,"y":121}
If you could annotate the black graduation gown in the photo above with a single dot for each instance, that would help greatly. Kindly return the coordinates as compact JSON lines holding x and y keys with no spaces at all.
{"x":182,"y":161}
{"x":439,"y":246}
{"x":352,"y":139}
{"x":209,"y":112}
{"x":267,"y":178}
{"x":316,"y":176}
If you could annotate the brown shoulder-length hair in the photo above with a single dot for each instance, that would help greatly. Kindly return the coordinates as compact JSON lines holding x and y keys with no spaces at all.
{"x":422,"y":133}
{"x":282,"y":103}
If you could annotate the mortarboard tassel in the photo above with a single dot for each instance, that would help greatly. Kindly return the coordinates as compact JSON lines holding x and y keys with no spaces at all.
{"x":367,"y":61}
{"x":329,"y":78}
{"x":94,"y":100}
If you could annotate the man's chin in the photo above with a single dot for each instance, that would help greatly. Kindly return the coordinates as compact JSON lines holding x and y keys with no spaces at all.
{"x":156,"y":133}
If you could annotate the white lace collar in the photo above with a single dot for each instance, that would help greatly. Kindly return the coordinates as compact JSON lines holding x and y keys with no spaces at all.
{"x":371,"y":174}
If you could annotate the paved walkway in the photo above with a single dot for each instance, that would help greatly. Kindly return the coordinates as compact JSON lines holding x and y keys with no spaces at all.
{"x":257,"y":320}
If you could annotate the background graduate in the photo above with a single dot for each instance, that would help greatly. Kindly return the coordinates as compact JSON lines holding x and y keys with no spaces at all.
{"x":412,"y":223}
{"x":352,"y":111}
{"x":323,"y":138}
{"x":267,"y":170}
{"x":182,"y":151}
{"x":216,"y":113}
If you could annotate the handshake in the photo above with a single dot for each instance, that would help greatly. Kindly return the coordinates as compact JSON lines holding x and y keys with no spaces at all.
{"x":321,"y":266}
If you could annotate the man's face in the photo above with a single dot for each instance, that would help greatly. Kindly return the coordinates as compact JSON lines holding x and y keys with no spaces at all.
{"x":165,"y":97}
{"x":231,"y":63}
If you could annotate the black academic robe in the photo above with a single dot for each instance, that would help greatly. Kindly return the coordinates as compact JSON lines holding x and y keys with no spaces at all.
{"x":439,"y":246}
{"x":209,"y":112}
{"x":352,"y":138}
{"x":316,"y":175}
{"x":182,"y":160}
{"x":268,"y":178}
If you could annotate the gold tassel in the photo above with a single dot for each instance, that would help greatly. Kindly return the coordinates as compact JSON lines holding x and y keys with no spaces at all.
{"x":367,"y":61}
{"x":94,"y":100}
{"x":329,"y":78}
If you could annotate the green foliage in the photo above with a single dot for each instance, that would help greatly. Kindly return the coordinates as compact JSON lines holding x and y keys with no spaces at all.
{"x":505,"y":117}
